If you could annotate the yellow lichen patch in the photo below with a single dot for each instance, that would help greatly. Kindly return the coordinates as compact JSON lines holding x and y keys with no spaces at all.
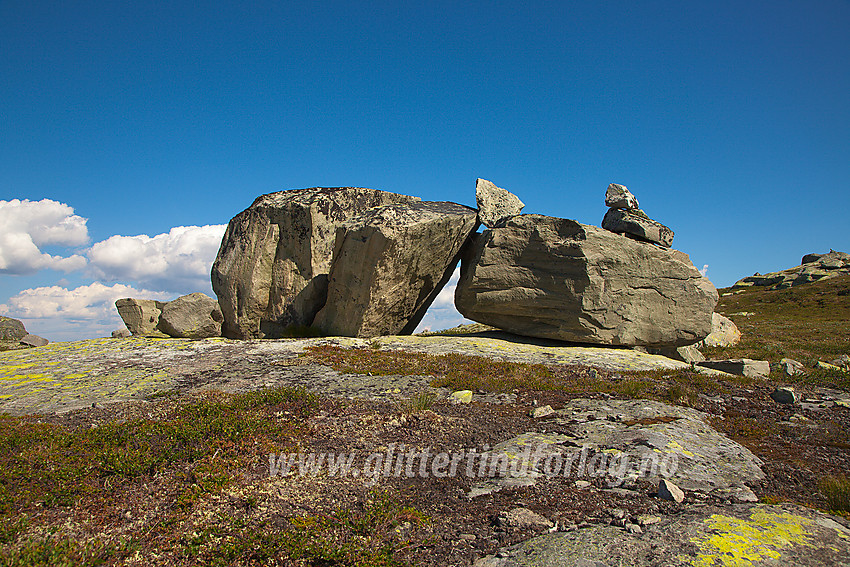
{"x":736,"y":542}
{"x":674,"y":446}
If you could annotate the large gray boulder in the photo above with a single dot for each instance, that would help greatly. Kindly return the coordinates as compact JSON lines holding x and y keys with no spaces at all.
{"x":271,"y":271}
{"x":495,"y":205}
{"x":637,"y":225}
{"x":389,"y":265}
{"x":555,"y":278}
{"x":193,"y":316}
{"x":11,"y":330}
{"x":141,"y":316}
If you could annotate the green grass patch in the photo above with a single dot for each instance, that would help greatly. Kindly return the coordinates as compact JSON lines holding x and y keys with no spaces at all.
{"x":807,"y":323}
{"x":836,"y":490}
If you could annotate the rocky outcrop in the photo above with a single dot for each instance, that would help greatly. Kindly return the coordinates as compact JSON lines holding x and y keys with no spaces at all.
{"x":495,"y":205}
{"x":555,"y":278}
{"x":755,"y":535}
{"x":389,"y":264}
{"x":635,"y":225}
{"x":140,"y":316}
{"x":193,"y":316}
{"x":814,"y":267}
{"x":271,"y":272}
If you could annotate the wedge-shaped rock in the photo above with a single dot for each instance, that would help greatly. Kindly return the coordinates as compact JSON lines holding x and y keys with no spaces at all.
{"x":618,"y":197}
{"x":271,"y":271}
{"x":637,"y":226}
{"x":389,"y":265}
{"x":495,"y":205}
{"x":555,"y":278}
{"x":141,"y":316}
{"x":193,"y":316}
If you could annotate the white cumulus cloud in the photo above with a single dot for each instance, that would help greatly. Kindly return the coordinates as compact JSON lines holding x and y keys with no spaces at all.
{"x":179,"y":260}
{"x":26,"y":226}
{"x":59,"y":313}
{"x":704,"y":270}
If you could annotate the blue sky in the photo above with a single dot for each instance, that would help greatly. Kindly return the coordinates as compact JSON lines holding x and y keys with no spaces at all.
{"x":728,"y":120}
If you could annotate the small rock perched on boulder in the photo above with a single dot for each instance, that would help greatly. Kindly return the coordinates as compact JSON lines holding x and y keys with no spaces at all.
{"x":618,"y":197}
{"x":624,"y":217}
{"x":495,"y":205}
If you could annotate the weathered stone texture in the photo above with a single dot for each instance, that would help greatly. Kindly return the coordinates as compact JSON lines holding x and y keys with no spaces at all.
{"x":555,"y":278}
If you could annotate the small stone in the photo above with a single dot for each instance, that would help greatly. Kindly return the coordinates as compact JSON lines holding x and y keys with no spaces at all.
{"x":790,"y":367}
{"x":785,"y":395}
{"x":461,"y":397}
{"x":669,"y":491}
{"x":542,"y":411}
{"x":583,"y":484}
{"x":121,"y":333}
{"x":648,"y":520}
{"x":634,"y":529}
{"x":740,"y":366}
{"x":468,"y":537}
{"x":522,"y":518}
{"x":827,"y":366}
{"x":618,"y":197}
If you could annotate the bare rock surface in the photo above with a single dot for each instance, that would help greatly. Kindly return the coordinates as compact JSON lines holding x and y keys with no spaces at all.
{"x":193,"y":316}
{"x":495,"y":205}
{"x":389,"y":265}
{"x":622,"y":441}
{"x":64,"y":376}
{"x":271,"y":271}
{"x":751,"y":535}
{"x":638,"y":226}
{"x":554,"y":278}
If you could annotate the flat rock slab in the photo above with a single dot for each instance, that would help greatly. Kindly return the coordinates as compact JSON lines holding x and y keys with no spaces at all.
{"x":622,"y":441}
{"x":511,"y":348}
{"x":743,"y":535}
{"x":64,"y":376}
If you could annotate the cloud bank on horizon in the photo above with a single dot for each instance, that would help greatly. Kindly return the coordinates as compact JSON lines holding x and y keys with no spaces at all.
{"x":162,"y":267}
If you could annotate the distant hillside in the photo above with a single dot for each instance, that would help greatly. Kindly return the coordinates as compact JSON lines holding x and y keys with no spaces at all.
{"x":807,"y":322}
